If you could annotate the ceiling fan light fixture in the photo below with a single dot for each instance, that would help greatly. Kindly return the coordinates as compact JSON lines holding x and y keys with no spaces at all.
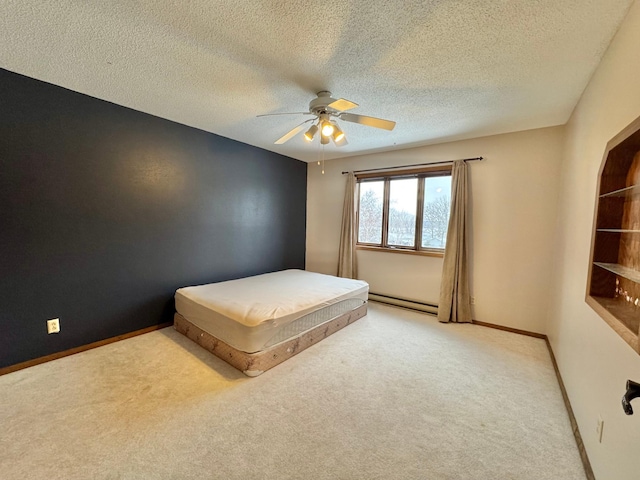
{"x":324,"y":139}
{"x":309,"y":134}
{"x":327,"y":128}
{"x":338,"y":134}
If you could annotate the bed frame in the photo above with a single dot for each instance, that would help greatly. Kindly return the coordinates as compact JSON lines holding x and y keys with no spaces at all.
{"x":254,"y":364}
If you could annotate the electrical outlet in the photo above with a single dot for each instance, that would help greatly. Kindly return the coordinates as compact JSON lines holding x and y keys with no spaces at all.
{"x":53,"y":325}
{"x":600,"y":428}
{"x":473,"y":300}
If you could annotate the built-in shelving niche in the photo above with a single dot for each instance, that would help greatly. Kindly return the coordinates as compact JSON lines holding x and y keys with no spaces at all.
{"x":613,"y":289}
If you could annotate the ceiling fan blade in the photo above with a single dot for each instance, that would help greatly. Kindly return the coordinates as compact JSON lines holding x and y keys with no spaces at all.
{"x":291,"y":133}
{"x":286,"y":113}
{"x":368,"y":121}
{"x":342,"y":105}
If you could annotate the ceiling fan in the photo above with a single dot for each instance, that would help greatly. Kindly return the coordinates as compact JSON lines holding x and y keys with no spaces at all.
{"x":326,"y":111}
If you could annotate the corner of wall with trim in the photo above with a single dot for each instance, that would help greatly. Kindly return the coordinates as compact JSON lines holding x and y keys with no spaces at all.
{"x":593,"y":360}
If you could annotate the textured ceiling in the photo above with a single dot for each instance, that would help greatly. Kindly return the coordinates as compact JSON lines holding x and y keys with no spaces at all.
{"x":442,"y":69}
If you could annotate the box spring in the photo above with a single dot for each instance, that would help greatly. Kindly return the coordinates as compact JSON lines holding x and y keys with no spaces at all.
{"x":254,"y":364}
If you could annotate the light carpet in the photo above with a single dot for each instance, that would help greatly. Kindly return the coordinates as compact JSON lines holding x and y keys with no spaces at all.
{"x":396,"y":395}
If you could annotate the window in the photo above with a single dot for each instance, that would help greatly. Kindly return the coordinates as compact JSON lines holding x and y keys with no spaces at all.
{"x":405,"y":211}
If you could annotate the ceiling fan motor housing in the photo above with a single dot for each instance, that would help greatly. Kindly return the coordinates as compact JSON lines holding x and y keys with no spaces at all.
{"x":320,"y":105}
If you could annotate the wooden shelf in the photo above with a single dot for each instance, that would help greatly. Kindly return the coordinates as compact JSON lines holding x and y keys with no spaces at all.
{"x":623,"y":192}
{"x":613,"y":285}
{"x":621,"y":270}
{"x":625,"y":312}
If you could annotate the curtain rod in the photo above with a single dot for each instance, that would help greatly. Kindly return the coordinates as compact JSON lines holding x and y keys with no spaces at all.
{"x":418,"y":165}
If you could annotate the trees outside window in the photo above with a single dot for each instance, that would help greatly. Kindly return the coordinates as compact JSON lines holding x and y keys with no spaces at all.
{"x":435,"y":216}
{"x":370,"y":213}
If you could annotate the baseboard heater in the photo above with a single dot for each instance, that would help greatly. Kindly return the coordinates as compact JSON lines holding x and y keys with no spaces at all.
{"x":423,"y":307}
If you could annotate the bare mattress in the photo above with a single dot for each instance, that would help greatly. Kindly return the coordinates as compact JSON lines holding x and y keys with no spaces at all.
{"x":254,"y":316}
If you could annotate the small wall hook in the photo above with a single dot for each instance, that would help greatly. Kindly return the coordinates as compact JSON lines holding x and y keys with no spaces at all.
{"x":633,"y":391}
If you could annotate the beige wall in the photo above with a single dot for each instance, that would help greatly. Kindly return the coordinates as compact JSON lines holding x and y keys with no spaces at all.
{"x":514,"y":208}
{"x":595,"y":363}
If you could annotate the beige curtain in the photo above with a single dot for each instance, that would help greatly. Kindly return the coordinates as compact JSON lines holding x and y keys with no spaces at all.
{"x":348,"y":234}
{"x":454,"y":304}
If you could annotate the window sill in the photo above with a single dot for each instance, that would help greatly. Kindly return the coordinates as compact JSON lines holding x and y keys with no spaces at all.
{"x":422,"y":253}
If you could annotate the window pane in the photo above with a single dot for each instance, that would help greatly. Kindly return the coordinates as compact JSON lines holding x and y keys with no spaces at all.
{"x":403,"y":201}
{"x":437,"y":201}
{"x":370,"y":213}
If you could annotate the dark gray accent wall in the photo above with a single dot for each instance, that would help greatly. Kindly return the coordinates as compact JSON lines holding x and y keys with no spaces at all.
{"x":105,"y":211}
